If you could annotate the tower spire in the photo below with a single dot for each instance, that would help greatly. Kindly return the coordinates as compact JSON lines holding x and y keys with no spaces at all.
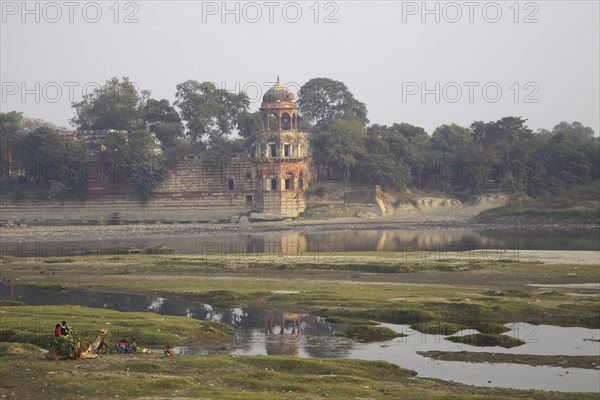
{"x":277,"y":78}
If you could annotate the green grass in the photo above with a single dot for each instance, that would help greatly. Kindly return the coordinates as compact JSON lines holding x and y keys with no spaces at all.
{"x":586,"y":214}
{"x":437,"y":328}
{"x":240,"y":284}
{"x":18,"y":349}
{"x":315,"y":289}
{"x":35,"y":324}
{"x":219,"y":283}
{"x":237,"y":377}
{"x":487,"y":340}
{"x":366,"y":333}
{"x":586,"y":362}
{"x":493,"y":328}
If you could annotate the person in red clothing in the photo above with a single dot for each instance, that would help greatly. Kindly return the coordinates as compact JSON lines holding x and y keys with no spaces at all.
{"x":122,"y":346}
{"x":57,"y":331}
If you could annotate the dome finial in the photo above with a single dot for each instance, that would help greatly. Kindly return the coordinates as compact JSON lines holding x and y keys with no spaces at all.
{"x":278,"y":92}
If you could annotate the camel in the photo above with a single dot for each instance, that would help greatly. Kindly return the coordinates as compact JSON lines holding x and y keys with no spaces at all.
{"x":82,"y":349}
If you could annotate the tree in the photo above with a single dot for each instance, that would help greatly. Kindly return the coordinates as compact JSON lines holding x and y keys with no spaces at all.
{"x":451,"y":139}
{"x":43,"y":150}
{"x":130,"y":157}
{"x":220,"y":149}
{"x":249,"y":126}
{"x":505,"y":136}
{"x":506,"y":144}
{"x":117,"y":105}
{"x":341,"y":146}
{"x":145,"y":169}
{"x":164,"y":122}
{"x":323,"y":101}
{"x":452,"y":155}
{"x":44,"y":153}
{"x":207,"y":110}
{"x":31,"y":124}
{"x":115,"y":155}
{"x":573,"y":127}
{"x":380,"y":169}
{"x":572,"y":156}
{"x":75,"y":179}
{"x":11,"y":134}
{"x":408,"y":143}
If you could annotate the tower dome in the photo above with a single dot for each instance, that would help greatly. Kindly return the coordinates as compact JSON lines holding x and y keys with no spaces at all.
{"x":278,"y":93}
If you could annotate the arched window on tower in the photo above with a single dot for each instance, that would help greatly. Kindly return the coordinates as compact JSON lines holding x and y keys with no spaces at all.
{"x":273,"y":122}
{"x":286,"y":122}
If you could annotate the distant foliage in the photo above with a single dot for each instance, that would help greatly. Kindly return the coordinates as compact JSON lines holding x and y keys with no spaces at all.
{"x":148,"y":136}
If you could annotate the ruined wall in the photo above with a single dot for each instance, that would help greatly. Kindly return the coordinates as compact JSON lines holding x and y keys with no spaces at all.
{"x":282,"y":204}
{"x":195,"y":191}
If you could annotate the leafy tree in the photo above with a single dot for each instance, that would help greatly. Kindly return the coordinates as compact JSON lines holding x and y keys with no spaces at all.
{"x":407,"y":143}
{"x":451,"y":139}
{"x":506,"y":145}
{"x":376,"y":140}
{"x":145,"y":169}
{"x":164,"y":122}
{"x":578,"y":127}
{"x":407,"y":146}
{"x":380,"y":169}
{"x":131,"y":158}
{"x":341,"y":146}
{"x":207,"y":110}
{"x":249,"y":126}
{"x":452,"y":156}
{"x":220,"y":150}
{"x":504,"y":137}
{"x":572,"y":156}
{"x":115,"y":156}
{"x":44,"y":155}
{"x":116,"y":105}
{"x":44,"y":149}
{"x":75,"y":179}
{"x":31,"y":124}
{"x":49,"y":161}
{"x":11,"y":134}
{"x":323,"y":101}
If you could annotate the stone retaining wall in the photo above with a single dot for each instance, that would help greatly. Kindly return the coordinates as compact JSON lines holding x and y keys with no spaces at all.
{"x":195,"y":191}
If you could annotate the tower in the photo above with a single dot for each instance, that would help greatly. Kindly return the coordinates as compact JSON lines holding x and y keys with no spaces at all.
{"x":281,"y":154}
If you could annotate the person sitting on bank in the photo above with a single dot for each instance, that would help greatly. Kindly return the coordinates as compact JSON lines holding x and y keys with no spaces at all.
{"x":64,"y":329}
{"x":132,"y":347}
{"x":122,"y":346}
{"x":168,"y":351}
{"x":57,"y":331}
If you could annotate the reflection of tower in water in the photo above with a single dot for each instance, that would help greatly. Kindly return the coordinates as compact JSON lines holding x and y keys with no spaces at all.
{"x":287,"y":342}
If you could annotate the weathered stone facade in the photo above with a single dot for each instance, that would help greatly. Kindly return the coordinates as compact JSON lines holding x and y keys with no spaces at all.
{"x":281,"y":155}
{"x":268,"y":184}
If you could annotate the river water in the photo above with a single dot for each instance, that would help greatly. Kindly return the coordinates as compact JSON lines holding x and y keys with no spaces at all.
{"x":519,"y":243}
{"x":316,"y":339}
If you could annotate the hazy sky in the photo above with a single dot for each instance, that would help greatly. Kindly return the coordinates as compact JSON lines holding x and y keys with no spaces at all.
{"x":422,"y":63}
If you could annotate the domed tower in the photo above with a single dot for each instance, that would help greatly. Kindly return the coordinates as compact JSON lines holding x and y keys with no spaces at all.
{"x":282,"y":157}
